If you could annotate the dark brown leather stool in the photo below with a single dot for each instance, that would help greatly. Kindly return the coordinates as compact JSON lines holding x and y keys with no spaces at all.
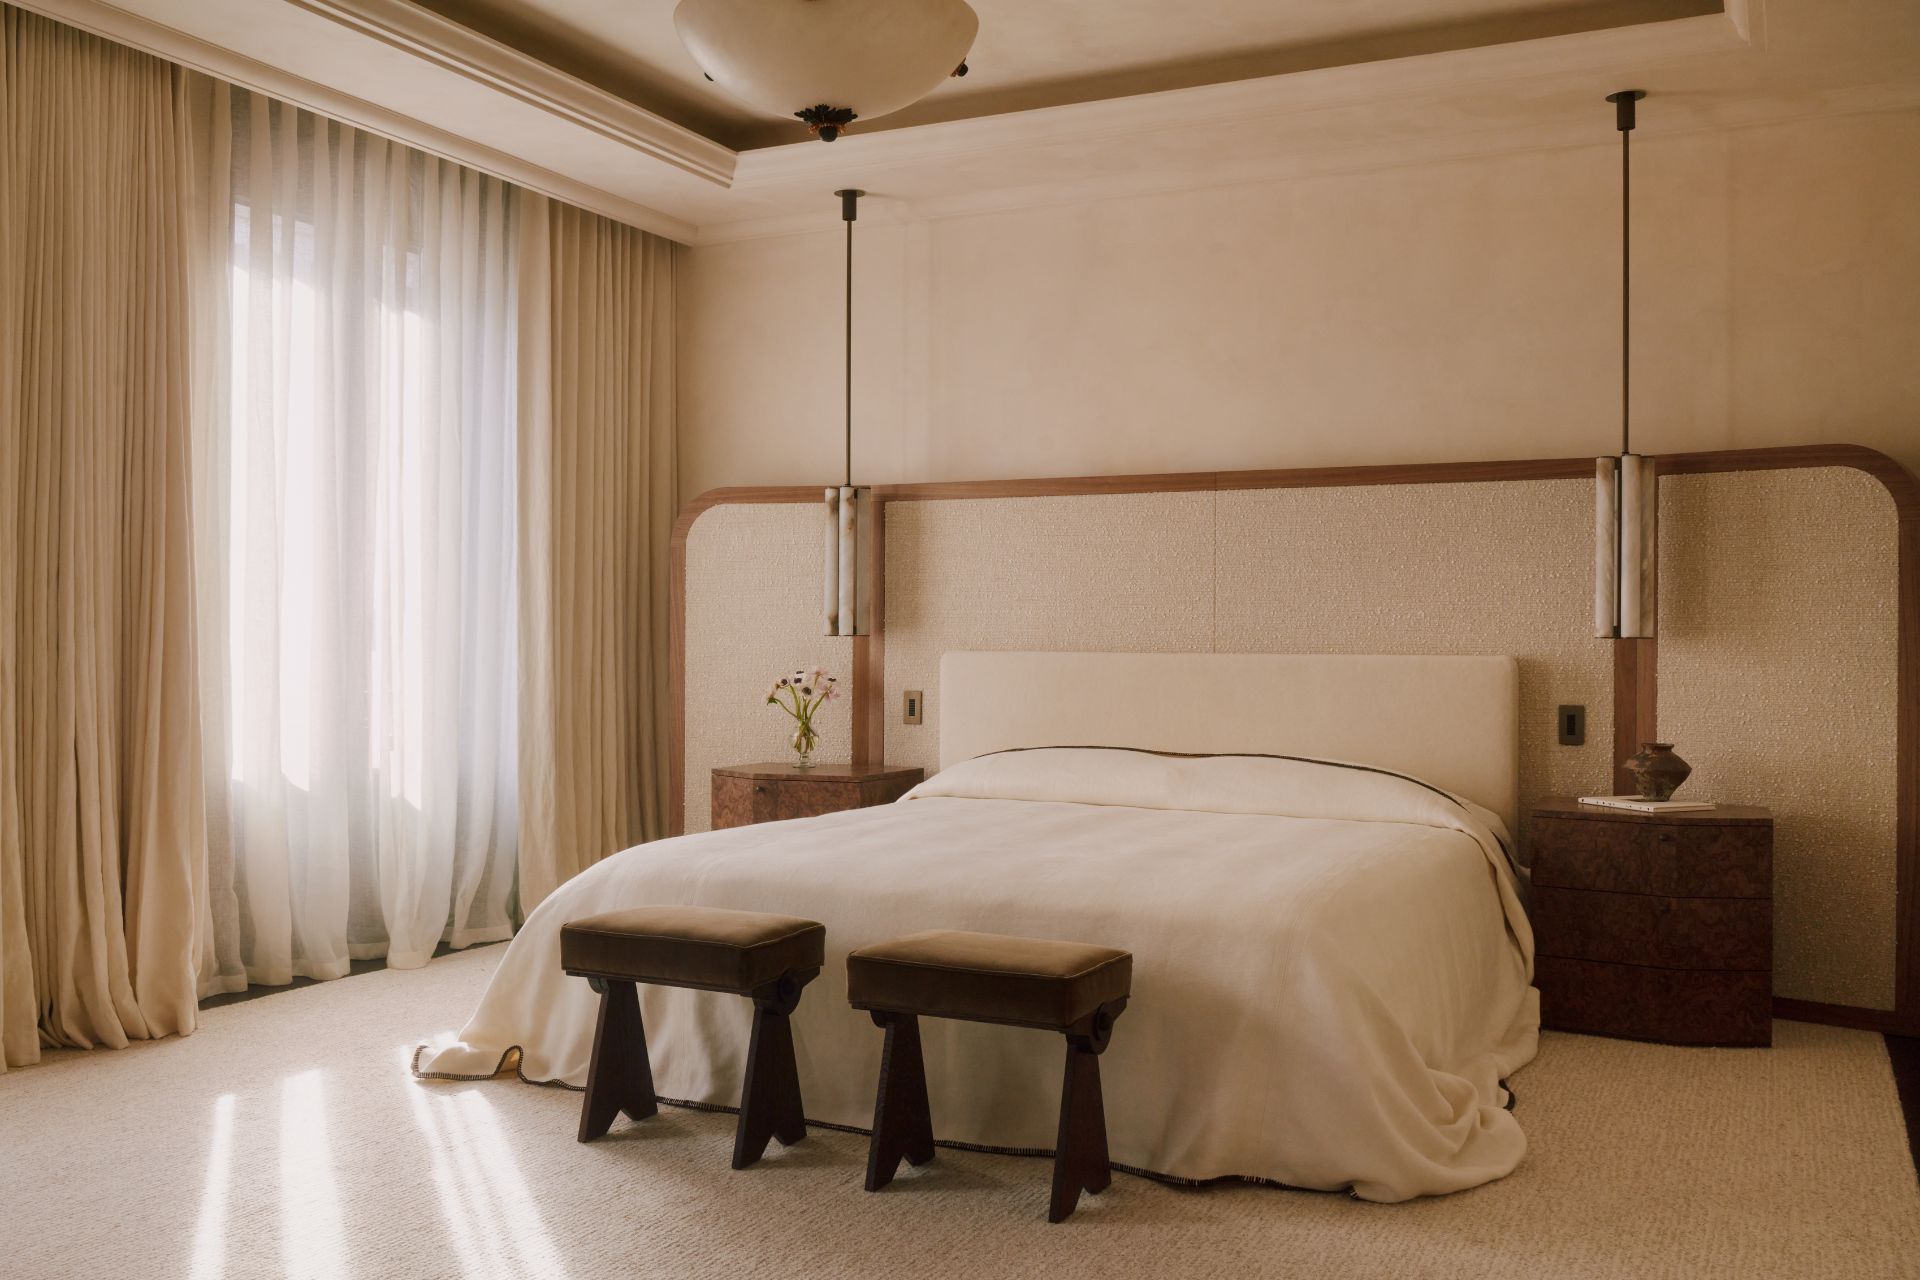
{"x":1069,"y":987}
{"x":766,"y":958}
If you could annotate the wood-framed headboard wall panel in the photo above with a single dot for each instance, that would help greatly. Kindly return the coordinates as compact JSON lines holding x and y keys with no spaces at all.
{"x":1471,"y":568}
{"x":1443,"y":558}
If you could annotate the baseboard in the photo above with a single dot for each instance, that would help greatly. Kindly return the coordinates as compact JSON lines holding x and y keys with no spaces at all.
{"x":1885,"y":1021}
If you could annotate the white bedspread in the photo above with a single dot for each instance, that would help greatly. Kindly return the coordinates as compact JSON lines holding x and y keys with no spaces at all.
{"x":1331,"y":966}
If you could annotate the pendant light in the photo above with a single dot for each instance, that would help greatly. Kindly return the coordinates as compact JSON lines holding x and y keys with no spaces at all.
{"x":828,"y":62}
{"x":1626,"y":498}
{"x":848,"y":610}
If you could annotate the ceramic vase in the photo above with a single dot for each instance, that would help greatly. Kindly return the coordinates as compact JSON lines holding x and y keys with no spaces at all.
{"x":1657,"y":771}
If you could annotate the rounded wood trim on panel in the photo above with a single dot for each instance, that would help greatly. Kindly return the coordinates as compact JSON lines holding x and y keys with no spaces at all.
{"x":1635,"y":693}
{"x":1904,"y":488}
{"x":677,"y":626}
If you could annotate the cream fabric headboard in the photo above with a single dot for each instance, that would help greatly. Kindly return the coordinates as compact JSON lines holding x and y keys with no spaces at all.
{"x":1451,"y":721}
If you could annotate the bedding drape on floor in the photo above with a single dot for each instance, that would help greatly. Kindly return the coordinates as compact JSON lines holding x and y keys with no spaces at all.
{"x":354,"y":445}
{"x":597,"y":504}
{"x":102,"y":868}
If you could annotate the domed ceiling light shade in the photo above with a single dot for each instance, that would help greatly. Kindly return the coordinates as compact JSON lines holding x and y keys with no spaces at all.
{"x":828,"y":62}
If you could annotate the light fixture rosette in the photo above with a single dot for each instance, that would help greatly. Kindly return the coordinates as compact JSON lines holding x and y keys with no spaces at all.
{"x":827,"y":62}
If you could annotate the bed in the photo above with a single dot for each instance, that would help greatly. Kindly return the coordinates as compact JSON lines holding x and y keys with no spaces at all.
{"x":1308,"y":857}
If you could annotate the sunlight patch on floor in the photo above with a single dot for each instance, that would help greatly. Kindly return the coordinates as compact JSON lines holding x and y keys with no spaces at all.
{"x":496,"y":1229}
{"x":210,"y":1233}
{"x":312,"y":1240}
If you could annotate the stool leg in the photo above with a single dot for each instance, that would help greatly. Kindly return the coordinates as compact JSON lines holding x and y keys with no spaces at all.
{"x":620,"y":1078}
{"x":1080,"y":1156}
{"x":770,"y":1096}
{"x":902,"y":1120}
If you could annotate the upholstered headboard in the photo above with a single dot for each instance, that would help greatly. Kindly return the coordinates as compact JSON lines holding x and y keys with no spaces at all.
{"x":1451,"y":721}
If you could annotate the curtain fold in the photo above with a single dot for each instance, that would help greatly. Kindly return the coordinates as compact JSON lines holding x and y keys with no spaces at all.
{"x":597,"y":499}
{"x":354,"y":448}
{"x":102,"y":826}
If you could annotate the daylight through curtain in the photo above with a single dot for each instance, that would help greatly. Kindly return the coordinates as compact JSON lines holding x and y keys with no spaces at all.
{"x":355,"y":464}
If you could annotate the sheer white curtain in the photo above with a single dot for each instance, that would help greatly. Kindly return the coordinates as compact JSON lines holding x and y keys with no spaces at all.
{"x":355,"y":511}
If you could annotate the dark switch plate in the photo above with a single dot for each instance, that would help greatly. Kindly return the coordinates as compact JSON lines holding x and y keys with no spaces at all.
{"x":1572,"y":722}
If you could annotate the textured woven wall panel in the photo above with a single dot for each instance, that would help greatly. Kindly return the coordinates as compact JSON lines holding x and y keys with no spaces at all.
{"x":753,"y":614}
{"x":1444,"y":568}
{"x":1112,"y":572}
{"x":1434,"y":568}
{"x":1778,"y":664}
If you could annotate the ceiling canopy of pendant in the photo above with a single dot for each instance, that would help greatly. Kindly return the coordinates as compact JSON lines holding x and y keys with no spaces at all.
{"x":841,"y":59}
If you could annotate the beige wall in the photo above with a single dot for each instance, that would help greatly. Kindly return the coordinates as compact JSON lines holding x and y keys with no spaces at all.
{"x":1458,"y":310}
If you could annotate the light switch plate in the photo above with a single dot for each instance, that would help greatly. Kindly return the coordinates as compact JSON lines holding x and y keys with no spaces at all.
{"x":915,"y":705}
{"x":1570,"y":723}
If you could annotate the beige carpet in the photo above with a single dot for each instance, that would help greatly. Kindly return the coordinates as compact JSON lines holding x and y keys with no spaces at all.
{"x":287,"y":1139}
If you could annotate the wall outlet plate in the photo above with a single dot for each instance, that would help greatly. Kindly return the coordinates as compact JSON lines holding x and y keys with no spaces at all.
{"x":1571,"y":725}
{"x":915,"y":704}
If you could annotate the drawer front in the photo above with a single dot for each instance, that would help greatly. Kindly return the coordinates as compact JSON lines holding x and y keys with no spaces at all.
{"x":1570,"y":853}
{"x":1682,"y":861}
{"x":733,"y":802}
{"x":1632,"y":928}
{"x":1711,"y":862}
{"x":810,"y":799}
{"x":887,"y":790}
{"x":1674,"y":1006}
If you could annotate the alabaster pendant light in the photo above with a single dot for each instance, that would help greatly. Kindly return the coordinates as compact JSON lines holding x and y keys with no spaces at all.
{"x":827,"y":62}
{"x":848,"y":611}
{"x":1626,"y":496}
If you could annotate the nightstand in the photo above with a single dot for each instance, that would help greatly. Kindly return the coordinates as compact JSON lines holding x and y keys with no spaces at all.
{"x":749,"y":793}
{"x":1654,"y":926}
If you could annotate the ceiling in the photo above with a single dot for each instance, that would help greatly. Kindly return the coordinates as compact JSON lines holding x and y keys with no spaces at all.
{"x":593,"y":101}
{"x":1044,"y":53}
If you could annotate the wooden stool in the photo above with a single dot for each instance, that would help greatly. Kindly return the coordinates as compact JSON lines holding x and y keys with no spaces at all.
{"x":766,"y":958}
{"x":1069,"y":987}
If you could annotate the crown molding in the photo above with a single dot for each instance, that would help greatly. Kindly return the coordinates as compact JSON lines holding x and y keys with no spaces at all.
{"x":1247,"y":171}
{"x":896,"y":158}
{"x":1215,"y":105}
{"x":111,"y":22}
{"x":448,"y":45}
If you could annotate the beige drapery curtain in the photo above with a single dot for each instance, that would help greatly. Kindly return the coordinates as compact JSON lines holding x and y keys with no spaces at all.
{"x":102,"y":827}
{"x":597,"y":500}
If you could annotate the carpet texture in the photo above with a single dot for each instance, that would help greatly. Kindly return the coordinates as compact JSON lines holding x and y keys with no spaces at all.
{"x":287,"y":1139}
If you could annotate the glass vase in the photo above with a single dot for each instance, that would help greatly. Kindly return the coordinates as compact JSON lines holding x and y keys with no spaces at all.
{"x":804,"y":741}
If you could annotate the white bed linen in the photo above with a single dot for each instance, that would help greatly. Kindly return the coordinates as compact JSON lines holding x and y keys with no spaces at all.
{"x":1331,"y":967}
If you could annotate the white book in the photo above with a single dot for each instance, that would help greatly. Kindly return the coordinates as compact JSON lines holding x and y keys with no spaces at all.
{"x":1639,"y":805}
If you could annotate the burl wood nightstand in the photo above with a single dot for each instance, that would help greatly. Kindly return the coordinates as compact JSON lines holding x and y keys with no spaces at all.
{"x":1654,"y":926}
{"x":749,"y":793}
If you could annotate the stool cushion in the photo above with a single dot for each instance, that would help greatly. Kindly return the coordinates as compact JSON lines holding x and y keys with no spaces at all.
{"x":988,"y":977}
{"x":692,"y":946}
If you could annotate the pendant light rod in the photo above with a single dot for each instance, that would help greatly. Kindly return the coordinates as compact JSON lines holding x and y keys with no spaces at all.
{"x":1626,"y":493}
{"x":849,"y":211}
{"x":1623,"y":119}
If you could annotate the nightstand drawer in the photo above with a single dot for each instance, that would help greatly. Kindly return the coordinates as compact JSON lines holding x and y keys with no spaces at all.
{"x":1645,"y":929}
{"x":1676,"y":1006}
{"x":1696,"y":860}
{"x":738,"y":802}
{"x":778,"y":801}
{"x":746,"y":794}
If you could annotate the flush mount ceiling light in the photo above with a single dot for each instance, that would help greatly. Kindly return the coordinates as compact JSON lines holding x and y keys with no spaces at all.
{"x":1626,"y":496}
{"x":828,"y":62}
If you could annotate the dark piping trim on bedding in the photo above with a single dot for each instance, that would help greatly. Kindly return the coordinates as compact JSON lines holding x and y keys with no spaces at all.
{"x":1267,"y":755}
